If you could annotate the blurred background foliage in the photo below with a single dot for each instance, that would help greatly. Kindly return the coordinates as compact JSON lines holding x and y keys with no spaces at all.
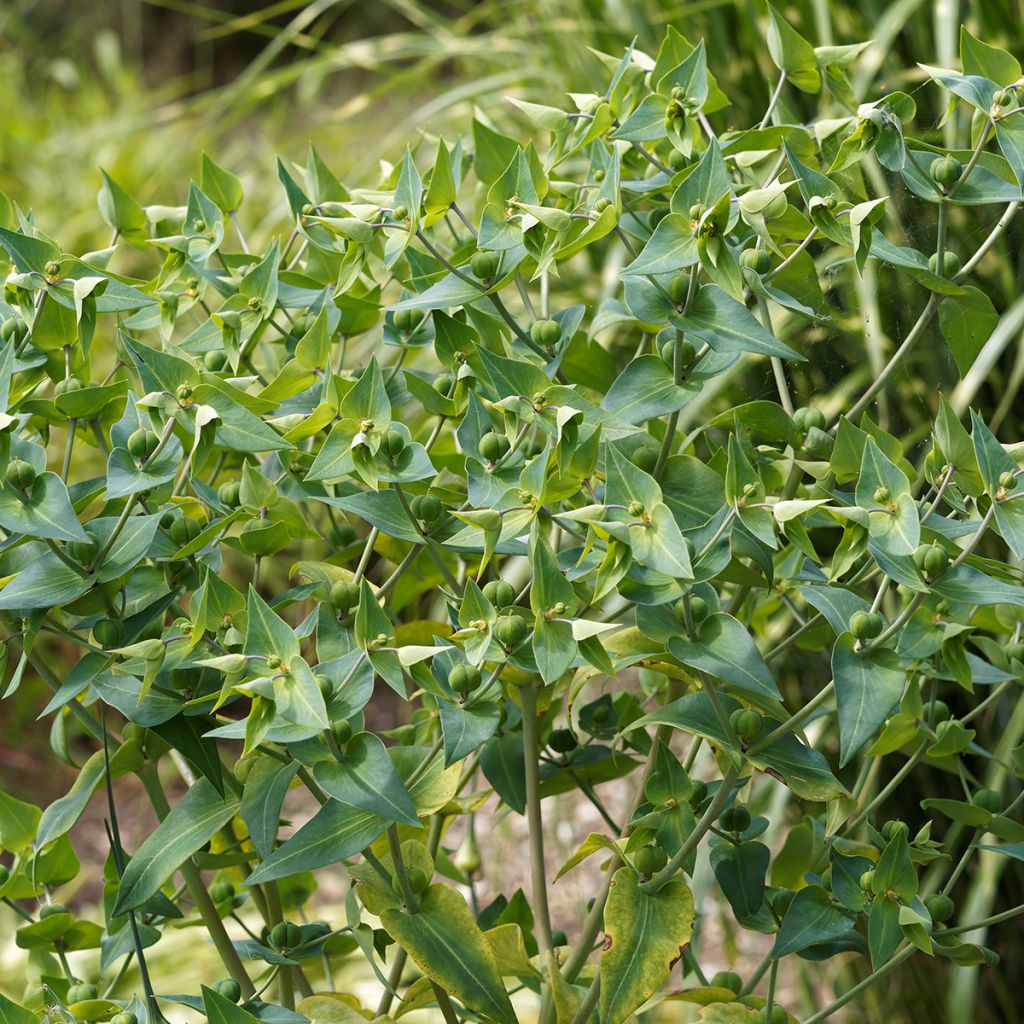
{"x":142,"y":87}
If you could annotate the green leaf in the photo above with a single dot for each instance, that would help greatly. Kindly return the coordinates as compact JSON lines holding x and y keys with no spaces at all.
{"x":740,"y":872}
{"x":645,"y":390}
{"x":13,"y":1013}
{"x":812,"y":918}
{"x":366,"y":778}
{"x":121,"y":211}
{"x":643,"y":938}
{"x":792,"y":54}
{"x":44,"y":511}
{"x":725,"y":649}
{"x":191,"y":823}
{"x":266,"y":632}
{"x":968,"y":321}
{"x":446,"y":943}
{"x":671,"y":248}
{"x":221,"y":186}
{"x":726,"y":325}
{"x":869,"y":685}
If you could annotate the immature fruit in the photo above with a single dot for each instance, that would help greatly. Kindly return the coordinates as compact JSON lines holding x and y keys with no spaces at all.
{"x":946,"y":171}
{"x":344,"y":595}
{"x":20,"y":474}
{"x":500,"y":593}
{"x":124,"y":1017}
{"x":807,"y":417}
{"x":699,"y":794}
{"x":727,"y":979}
{"x":558,"y":938}
{"x":510,"y":630}
{"x":229,"y":989}
{"x":1015,"y":651}
{"x":777,"y":1015}
{"x":184,"y":530}
{"x":941,"y":908}
{"x":678,"y":287}
{"x":988,"y":799}
{"x":142,"y":443}
{"x":950,"y":263}
{"x":735,"y":819}
{"x":467,"y":856}
{"x":285,"y":935}
{"x":341,"y":535}
{"x":215,"y":360}
{"x":936,"y":560}
{"x":562,"y":741}
{"x":464,"y":678}
{"x":646,"y":457}
{"x":108,"y":632}
{"x":69,"y":384}
{"x":494,"y":446}
{"x":867,"y":879}
{"x":407,"y":320}
{"x":747,"y":724}
{"x":484,"y":264}
{"x":81,"y":992}
{"x":221,"y":891}
{"x":650,"y":860}
{"x":230,"y":493}
{"x":427,"y":508}
{"x":892,"y":828}
{"x":10,"y":329}
{"x":865,"y":625}
{"x":758,"y":260}
{"x":545,"y":332}
{"x":936,"y":711}
{"x":392,"y":444}
{"x":52,"y":908}
{"x":341,"y":731}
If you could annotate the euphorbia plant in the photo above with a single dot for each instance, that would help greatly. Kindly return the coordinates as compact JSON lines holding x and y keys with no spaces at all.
{"x":244,"y":493}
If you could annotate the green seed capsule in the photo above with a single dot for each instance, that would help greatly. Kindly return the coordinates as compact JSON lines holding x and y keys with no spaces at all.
{"x":940,"y":907}
{"x":950,"y":263}
{"x":230,"y":493}
{"x":484,"y":264}
{"x":735,"y":819}
{"x":990,"y":800}
{"x":124,"y":1017}
{"x":82,"y":992}
{"x":699,"y":793}
{"x":946,"y":171}
{"x":892,"y":828}
{"x":427,"y":508}
{"x":510,"y":630}
{"x":184,"y":530}
{"x":678,"y":287}
{"x":727,"y":979}
{"x":562,"y":741}
{"x":758,"y":260}
{"x":108,"y":632}
{"x":649,"y":860}
{"x":20,"y":474}
{"x":142,"y":443}
{"x":865,"y":625}
{"x":392,"y":443}
{"x":341,"y":731}
{"x":407,"y":320}
{"x":747,"y":723}
{"x":464,"y":678}
{"x":867,"y":879}
{"x":545,"y":332}
{"x":344,"y":595}
{"x":221,"y":891}
{"x":229,"y":989}
{"x":494,"y":446}
{"x":215,"y":360}
{"x":66,"y":386}
{"x":500,"y":593}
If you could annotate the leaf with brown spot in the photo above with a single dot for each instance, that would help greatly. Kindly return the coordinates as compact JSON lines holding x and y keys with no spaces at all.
{"x":643,"y":937}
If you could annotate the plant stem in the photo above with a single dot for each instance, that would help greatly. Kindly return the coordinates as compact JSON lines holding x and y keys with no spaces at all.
{"x":535,"y":822}
{"x":211,"y":919}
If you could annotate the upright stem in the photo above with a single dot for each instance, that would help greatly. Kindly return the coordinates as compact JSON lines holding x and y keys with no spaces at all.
{"x":207,"y":911}
{"x":535,"y":822}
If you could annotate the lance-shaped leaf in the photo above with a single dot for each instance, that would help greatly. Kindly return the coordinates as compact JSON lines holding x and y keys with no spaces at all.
{"x":191,"y":823}
{"x":43,"y":511}
{"x":812,"y":918}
